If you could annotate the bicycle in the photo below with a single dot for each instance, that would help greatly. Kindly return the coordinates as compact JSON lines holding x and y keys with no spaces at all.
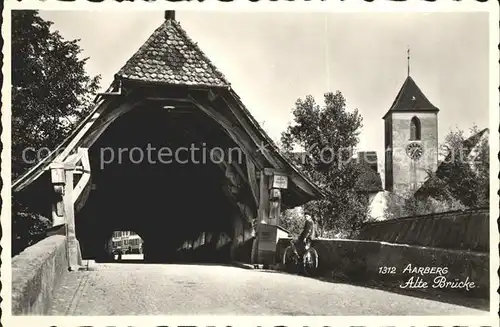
{"x":305,"y":264}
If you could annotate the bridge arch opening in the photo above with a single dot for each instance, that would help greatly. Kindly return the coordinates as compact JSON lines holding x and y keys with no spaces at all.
{"x":125,"y":245}
{"x":168,"y":173}
{"x":188,"y":169}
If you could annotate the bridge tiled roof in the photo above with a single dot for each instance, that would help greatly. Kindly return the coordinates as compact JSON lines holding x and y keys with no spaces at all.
{"x":169,"y":56}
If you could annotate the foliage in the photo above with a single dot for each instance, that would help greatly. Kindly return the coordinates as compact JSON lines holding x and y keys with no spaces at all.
{"x":405,"y":205}
{"x":27,"y":227}
{"x":328,"y":134}
{"x":51,"y":91}
{"x":293,"y":220}
{"x":460,"y":182}
{"x":464,"y":174}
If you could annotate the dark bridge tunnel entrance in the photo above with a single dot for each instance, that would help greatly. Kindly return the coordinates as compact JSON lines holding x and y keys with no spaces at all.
{"x":165,"y":175}
{"x":188,"y":169}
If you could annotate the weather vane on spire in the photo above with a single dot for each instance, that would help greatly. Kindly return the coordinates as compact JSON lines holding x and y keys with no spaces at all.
{"x":408,"y":51}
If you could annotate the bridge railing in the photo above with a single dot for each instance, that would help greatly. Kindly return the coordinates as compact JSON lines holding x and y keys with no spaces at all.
{"x":364,"y":262}
{"x":461,"y":230}
{"x":36,"y":272}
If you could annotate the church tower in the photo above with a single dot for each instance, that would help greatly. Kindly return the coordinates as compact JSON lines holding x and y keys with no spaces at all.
{"x":411,"y":139}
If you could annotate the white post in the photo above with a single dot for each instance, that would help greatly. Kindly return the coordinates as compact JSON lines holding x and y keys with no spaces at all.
{"x":69,"y":208}
{"x":275,"y":206}
{"x":270,"y":206}
{"x":58,"y":182}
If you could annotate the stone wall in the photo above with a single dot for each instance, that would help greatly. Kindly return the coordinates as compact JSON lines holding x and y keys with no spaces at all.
{"x":461,"y":230}
{"x":36,"y":272}
{"x":363,"y":262}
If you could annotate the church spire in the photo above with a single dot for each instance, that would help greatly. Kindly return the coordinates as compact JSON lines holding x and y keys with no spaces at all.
{"x":408,"y":51}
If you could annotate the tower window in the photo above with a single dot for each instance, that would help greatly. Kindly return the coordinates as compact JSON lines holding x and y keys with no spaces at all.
{"x":415,"y":129}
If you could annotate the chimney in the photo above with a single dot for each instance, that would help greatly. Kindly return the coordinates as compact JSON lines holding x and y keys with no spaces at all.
{"x":169,"y":14}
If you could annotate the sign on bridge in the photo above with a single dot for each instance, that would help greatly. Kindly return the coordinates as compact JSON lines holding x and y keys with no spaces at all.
{"x":279,"y":181}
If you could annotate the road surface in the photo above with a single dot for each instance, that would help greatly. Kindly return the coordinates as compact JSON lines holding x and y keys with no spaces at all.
{"x":183,"y":289}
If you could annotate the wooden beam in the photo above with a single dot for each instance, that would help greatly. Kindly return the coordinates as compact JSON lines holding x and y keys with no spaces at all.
{"x":82,"y":199}
{"x":243,"y":176}
{"x":69,"y":213}
{"x":167,"y":99}
{"x":112,"y":115}
{"x":224,"y":166}
{"x":233,"y":201}
{"x":274,"y":206}
{"x":94,"y":136}
{"x":58,"y":179}
{"x":85,"y":179}
{"x":109,"y":118}
{"x":240,"y":138}
{"x":179,"y":92}
{"x":36,"y":171}
{"x":79,"y":137}
{"x":252,"y":181}
{"x":302,"y":184}
{"x":272,"y":171}
{"x":249,"y":132}
{"x":212,"y":95}
{"x":71,"y":161}
{"x":83,"y":131}
{"x":259,"y":141}
{"x":299,"y":180}
{"x":264,"y":199}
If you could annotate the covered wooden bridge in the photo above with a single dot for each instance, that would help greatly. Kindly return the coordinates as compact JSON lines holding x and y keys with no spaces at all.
{"x":170,"y":152}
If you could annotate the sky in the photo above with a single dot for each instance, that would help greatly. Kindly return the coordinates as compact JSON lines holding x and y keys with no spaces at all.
{"x":272,"y":59}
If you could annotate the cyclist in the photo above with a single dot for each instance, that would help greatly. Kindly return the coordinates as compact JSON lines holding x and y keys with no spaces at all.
{"x":306,"y":236}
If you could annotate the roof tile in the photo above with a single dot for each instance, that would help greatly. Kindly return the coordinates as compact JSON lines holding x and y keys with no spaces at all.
{"x":169,"y":56}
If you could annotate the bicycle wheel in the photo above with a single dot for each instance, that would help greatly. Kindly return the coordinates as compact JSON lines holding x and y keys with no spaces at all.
{"x":310,"y":261}
{"x":289,"y":259}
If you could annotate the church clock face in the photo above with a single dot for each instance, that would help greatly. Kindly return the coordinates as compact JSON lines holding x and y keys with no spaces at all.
{"x":414,"y":151}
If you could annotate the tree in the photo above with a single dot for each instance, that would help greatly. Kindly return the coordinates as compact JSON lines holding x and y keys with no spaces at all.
{"x":51,"y":91}
{"x":464,"y":174}
{"x":407,"y":205}
{"x":27,"y":227}
{"x":460,"y":182}
{"x":328,"y":134}
{"x":293,"y":220}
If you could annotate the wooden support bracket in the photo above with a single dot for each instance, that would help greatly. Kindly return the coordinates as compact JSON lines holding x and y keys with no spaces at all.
{"x":252,"y":181}
{"x":232,"y":130}
{"x":63,"y":211}
{"x":85,"y":170}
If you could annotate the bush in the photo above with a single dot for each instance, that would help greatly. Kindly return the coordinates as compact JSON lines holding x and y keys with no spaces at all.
{"x":28,"y":227}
